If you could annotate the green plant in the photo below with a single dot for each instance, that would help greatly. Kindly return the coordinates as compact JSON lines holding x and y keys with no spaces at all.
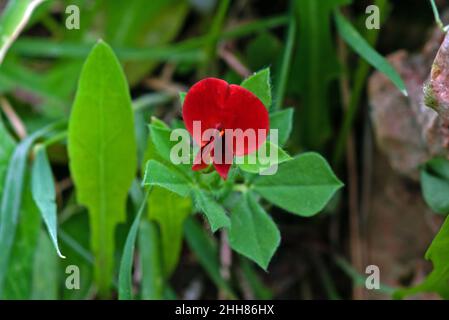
{"x":302,"y":185}
{"x":102,"y":148}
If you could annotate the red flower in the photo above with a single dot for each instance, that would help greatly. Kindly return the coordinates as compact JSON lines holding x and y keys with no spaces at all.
{"x":223,"y":109}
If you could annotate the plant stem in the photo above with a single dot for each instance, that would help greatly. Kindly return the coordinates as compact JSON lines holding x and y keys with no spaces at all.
{"x":217,"y":24}
{"x":353,"y":205}
{"x":225,"y":259}
{"x":56,"y":138}
{"x":13,"y":118}
{"x":256,"y":26}
{"x":240,"y":188}
{"x":286,"y":60}
{"x":437,"y":15}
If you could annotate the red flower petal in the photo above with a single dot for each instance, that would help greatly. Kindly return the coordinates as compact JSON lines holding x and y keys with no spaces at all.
{"x":203,"y":158}
{"x":218,"y":105}
{"x":223,"y":169}
{"x":204,"y":102}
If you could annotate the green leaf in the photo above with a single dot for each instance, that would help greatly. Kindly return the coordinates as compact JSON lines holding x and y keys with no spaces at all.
{"x":169,"y":210}
{"x":438,"y":280}
{"x":253,"y":233}
{"x":314,"y":66}
{"x":37,"y":83}
{"x":262,"y":159}
{"x":157,"y":174}
{"x":126,"y":263}
{"x":152,"y":286}
{"x":19,"y":273}
{"x":214,"y":212}
{"x":205,"y":249}
{"x":39,"y":47}
{"x":44,"y":194}
{"x":74,"y":234}
{"x":7,"y":146}
{"x":260,"y":84}
{"x":12,"y":197}
{"x":14,"y":18}
{"x":143,"y":23}
{"x":364,"y":49}
{"x":435,"y":184}
{"x":283,"y":122}
{"x":182,"y":97}
{"x":263,"y":50}
{"x":159,"y":124}
{"x":302,"y":186}
{"x":45,"y":270}
{"x":161,"y":138}
{"x":103,"y":153}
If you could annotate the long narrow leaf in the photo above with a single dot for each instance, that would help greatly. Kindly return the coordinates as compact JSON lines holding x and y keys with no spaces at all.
{"x":13,"y":20}
{"x":363,"y":48}
{"x":19,"y":275}
{"x":125,"y":280}
{"x":45,"y":271}
{"x":12,"y":197}
{"x":44,"y":194}
{"x":150,"y":247}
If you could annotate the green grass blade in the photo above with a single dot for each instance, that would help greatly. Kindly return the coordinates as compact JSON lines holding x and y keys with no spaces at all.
{"x":7,"y":145}
{"x":45,"y":271}
{"x":32,"y":47}
{"x":359,"y":81}
{"x":363,"y":48}
{"x":436,"y":14}
{"x":12,"y":197}
{"x":13,"y":20}
{"x":281,"y":85}
{"x":125,"y":273}
{"x":19,"y":277}
{"x":44,"y":194}
{"x":357,"y":278}
{"x":153,"y":286}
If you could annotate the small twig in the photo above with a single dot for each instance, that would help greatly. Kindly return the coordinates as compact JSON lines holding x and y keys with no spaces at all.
{"x":137,"y":277}
{"x":63,"y":185}
{"x":158,"y":84}
{"x":168,"y":71}
{"x":193,"y":290}
{"x":60,"y":187}
{"x":367,"y":174}
{"x":233,"y":62}
{"x":13,"y":118}
{"x":354,"y":223}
